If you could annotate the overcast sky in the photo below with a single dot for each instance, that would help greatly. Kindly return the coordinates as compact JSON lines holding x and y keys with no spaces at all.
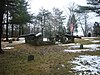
{"x":49,"y":4}
{"x":36,"y":5}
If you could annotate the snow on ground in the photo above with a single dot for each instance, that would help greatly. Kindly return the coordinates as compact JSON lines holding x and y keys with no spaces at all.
{"x":87,"y":64}
{"x":88,"y":37}
{"x":38,"y":34}
{"x":96,"y":41}
{"x":21,"y":40}
{"x":90,"y":47}
{"x":70,"y":44}
{"x":45,"y":39}
{"x":74,"y":51}
{"x":75,"y":47}
{"x":8,"y":46}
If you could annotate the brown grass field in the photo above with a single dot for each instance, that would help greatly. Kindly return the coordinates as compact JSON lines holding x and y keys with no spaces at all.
{"x":48,"y":60}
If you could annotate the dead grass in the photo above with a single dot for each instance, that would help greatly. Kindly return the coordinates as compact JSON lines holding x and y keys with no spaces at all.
{"x":97,"y":53}
{"x":82,"y":41}
{"x":48,"y":60}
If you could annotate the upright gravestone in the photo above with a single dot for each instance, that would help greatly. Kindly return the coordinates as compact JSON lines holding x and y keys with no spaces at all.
{"x":81,"y":46}
{"x":30,"y":57}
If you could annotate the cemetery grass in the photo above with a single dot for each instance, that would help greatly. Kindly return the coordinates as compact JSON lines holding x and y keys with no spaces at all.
{"x":82,"y":41}
{"x":48,"y":60}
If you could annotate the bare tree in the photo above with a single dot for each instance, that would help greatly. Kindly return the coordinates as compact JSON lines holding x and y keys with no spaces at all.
{"x":81,"y":18}
{"x":72,"y":20}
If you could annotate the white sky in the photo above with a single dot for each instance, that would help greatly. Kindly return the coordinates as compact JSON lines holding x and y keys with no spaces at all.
{"x":49,"y":4}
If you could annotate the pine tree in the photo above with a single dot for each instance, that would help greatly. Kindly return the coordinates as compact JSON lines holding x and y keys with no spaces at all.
{"x":93,"y":5}
{"x":21,"y":16}
{"x":2,"y":7}
{"x":16,"y":10}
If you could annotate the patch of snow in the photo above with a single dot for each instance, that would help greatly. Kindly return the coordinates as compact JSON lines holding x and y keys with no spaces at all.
{"x":58,"y":43}
{"x":38,"y":34}
{"x":45,"y":39}
{"x":7,"y":48}
{"x":62,"y":65}
{"x":18,"y":42}
{"x":21,"y":39}
{"x":90,"y":46}
{"x":58,"y":68}
{"x":86,"y":39}
{"x":10,"y":38}
{"x":96,"y":41}
{"x":74,"y":51}
{"x":74,"y":47}
{"x":87,"y":64}
{"x":71,"y":44}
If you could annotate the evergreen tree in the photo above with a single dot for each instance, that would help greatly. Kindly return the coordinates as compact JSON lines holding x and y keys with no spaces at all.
{"x":2,"y":7}
{"x":16,"y":10}
{"x":93,"y":5}
{"x":21,"y":16}
{"x":58,"y":20}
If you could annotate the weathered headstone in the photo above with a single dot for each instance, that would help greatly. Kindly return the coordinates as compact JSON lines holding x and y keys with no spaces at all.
{"x":30,"y":57}
{"x":81,"y":46}
{"x":10,"y":41}
{"x":89,"y":34}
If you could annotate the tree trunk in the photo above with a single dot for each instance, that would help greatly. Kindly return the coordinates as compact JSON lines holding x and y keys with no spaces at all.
{"x":22,"y":28}
{"x":7,"y":26}
{"x":2,"y":5}
{"x":12,"y":32}
{"x":86,"y":27}
{"x":19,"y":30}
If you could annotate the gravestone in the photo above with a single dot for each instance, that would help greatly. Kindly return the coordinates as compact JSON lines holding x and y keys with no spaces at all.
{"x":30,"y":57}
{"x":10,"y":41}
{"x":81,"y":46}
{"x":89,"y":34}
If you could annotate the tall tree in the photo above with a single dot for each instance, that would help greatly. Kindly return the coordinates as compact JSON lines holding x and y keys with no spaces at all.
{"x":72,"y":24}
{"x":9,"y":6}
{"x":72,"y":21}
{"x":2,"y":8}
{"x":21,"y":16}
{"x":17,"y":10}
{"x":58,"y":20}
{"x":82,"y":21}
{"x":51,"y":23}
{"x":43,"y":20}
{"x":93,"y":5}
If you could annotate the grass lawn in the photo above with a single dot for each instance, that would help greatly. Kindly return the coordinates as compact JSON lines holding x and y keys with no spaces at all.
{"x":48,"y":60}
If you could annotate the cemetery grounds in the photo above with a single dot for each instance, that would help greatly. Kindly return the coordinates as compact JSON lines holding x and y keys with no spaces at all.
{"x":59,"y":59}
